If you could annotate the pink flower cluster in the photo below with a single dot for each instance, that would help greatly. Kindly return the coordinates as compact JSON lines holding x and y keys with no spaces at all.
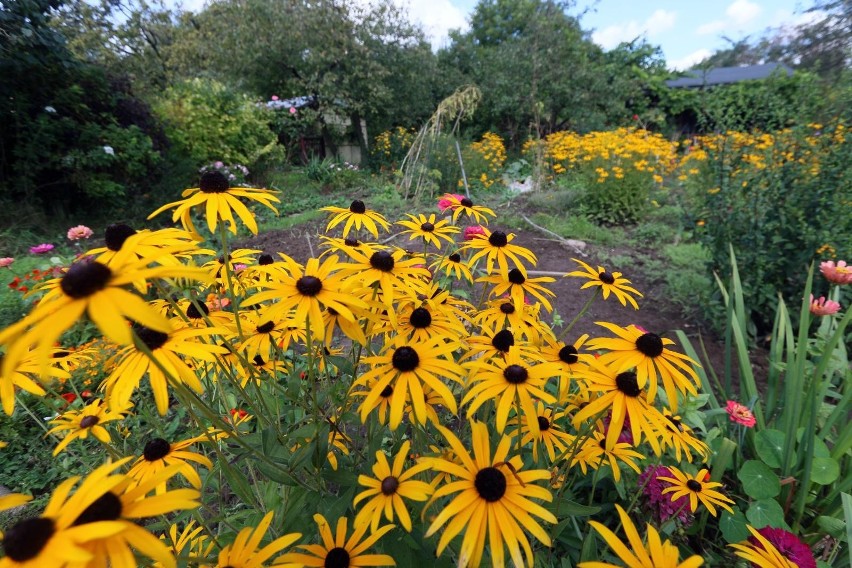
{"x":79,"y":232}
{"x":662,"y":507}
{"x":6,"y":261}
{"x":740,"y":414}
{"x":823,"y":307}
{"x":43,"y":248}
{"x":789,"y":546}
{"x":838,"y":273}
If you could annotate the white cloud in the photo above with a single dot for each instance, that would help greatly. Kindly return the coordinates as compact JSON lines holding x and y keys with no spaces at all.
{"x":687,"y":61}
{"x":436,"y":17}
{"x":737,"y":15}
{"x":656,"y":23}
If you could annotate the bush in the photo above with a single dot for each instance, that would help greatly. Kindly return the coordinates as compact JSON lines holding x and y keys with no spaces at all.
{"x":211,"y":122}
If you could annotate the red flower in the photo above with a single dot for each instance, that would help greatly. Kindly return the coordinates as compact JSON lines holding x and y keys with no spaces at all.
{"x":789,"y":545}
{"x":69,"y":397}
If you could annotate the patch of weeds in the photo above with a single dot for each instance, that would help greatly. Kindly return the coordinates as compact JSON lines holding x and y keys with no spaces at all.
{"x":580,"y":228}
{"x":556,"y":201}
{"x":687,"y":279}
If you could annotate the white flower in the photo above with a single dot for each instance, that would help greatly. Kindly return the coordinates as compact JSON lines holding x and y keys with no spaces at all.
{"x":49,"y":109}
{"x":109,"y":150}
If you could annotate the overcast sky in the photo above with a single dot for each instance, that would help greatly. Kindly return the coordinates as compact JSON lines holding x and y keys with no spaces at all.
{"x":687,"y":31}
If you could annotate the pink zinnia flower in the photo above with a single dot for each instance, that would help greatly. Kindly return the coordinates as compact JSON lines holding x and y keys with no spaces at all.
{"x":292,"y":110}
{"x":662,"y":507}
{"x":740,"y":414}
{"x":838,"y":273}
{"x":446,"y":203}
{"x":474,"y":232}
{"x":42,"y":248}
{"x":6,"y":261}
{"x":823,"y":307}
{"x":79,"y":232}
{"x":274,"y":97}
{"x":789,"y":545}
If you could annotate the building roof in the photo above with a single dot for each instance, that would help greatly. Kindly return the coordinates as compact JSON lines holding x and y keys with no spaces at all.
{"x":697,"y":78}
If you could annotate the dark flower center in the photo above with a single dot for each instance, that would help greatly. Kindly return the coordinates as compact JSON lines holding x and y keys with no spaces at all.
{"x":568,"y":354}
{"x":693,"y":485}
{"x":89,"y":421}
{"x":628,"y":384}
{"x":386,"y":392}
{"x":503,"y":340}
{"x":351,"y":242}
{"x":382,"y":260}
{"x":543,"y":423}
{"x":194,"y":312}
{"x":507,"y":308}
{"x":498,"y":239}
{"x":455,"y":257}
{"x":152,"y":338}
{"x":107,"y":507}
{"x":515,"y":374}
{"x":606,"y":277}
{"x":358,"y":207}
{"x":116,"y":234}
{"x":213,"y":182}
{"x":466,"y":202}
{"x":389,"y":485}
{"x":674,"y":424}
{"x":420,"y":318}
{"x":265,"y":259}
{"x":427,"y":227}
{"x":266,"y":327}
{"x":336,"y":558}
{"x":516,"y":276}
{"x":27,"y":539}
{"x":84,"y":279}
{"x":309,"y":285}
{"x":156,"y":449}
{"x":650,"y":344}
{"x":490,"y":483}
{"x":405,"y":359}
{"x":258,"y":361}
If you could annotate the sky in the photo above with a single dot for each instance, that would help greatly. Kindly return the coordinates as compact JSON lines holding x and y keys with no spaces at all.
{"x":686,"y":30}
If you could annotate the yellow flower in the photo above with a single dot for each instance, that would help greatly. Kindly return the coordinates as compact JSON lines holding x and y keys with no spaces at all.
{"x":159,"y":455}
{"x":497,"y":248}
{"x":595,"y":452}
{"x":357,"y":216}
{"x":763,"y":554}
{"x":609,"y":283}
{"x":388,"y":488}
{"x":518,"y":286}
{"x":429,"y":229}
{"x":20,"y":376}
{"x":336,"y":550}
{"x":493,"y":501}
{"x":698,"y":488}
{"x":85,"y":421}
{"x":655,"y":553}
{"x":244,"y":551}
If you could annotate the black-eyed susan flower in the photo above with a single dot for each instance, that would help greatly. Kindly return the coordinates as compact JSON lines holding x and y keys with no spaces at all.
{"x":78,"y":424}
{"x":595,"y":453}
{"x":406,"y":367}
{"x":98,"y":290}
{"x":496,"y":344}
{"x":609,"y":282}
{"x":169,"y":351}
{"x":306,"y":292}
{"x":389,"y":488}
{"x":550,"y":433}
{"x":338,"y":551}
{"x":697,"y":488}
{"x":219,"y":202}
{"x":160,"y":454}
{"x":679,"y":435}
{"x":620,"y":393}
{"x":493,"y":501}
{"x":263,"y":332}
{"x":245,"y":551}
{"x":509,"y":381}
{"x":421,"y":321}
{"x":567,"y":355}
{"x":357,"y":216}
{"x":165,"y":246}
{"x":497,"y":248}
{"x":517,"y":286}
{"x":453,"y":266}
{"x":190,"y":543}
{"x":655,"y":553}
{"x":389,"y":275}
{"x":524,"y":322}
{"x":55,"y":538}
{"x":428,"y":229}
{"x":347,"y":246}
{"x":458,"y":205}
{"x":21,"y":376}
{"x":649,"y":355}
{"x":352,"y":329}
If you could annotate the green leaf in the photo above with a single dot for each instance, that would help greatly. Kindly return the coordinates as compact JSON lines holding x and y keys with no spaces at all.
{"x":765,"y":513}
{"x":834,"y":527}
{"x":759,"y":482}
{"x":733,"y":527}
{"x":825,"y":471}
{"x":769,"y":445}
{"x":564,"y":507}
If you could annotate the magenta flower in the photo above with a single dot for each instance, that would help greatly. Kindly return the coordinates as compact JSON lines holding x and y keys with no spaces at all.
{"x":838,"y":273}
{"x":6,"y":261}
{"x":292,"y":110}
{"x":473,"y":232}
{"x":823,"y":307}
{"x":274,"y":97}
{"x":444,"y":203}
{"x":661,"y":506}
{"x":43,"y":248}
{"x":79,"y":232}
{"x":740,"y":414}
{"x":789,"y":545}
